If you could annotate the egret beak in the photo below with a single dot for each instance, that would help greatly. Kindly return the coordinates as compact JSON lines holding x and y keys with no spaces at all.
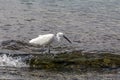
{"x":67,"y":39}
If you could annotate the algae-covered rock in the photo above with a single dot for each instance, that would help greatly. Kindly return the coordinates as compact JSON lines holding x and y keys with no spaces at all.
{"x":14,"y":45}
{"x":75,"y":61}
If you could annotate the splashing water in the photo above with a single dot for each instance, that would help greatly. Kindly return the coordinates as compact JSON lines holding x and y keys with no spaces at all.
{"x":10,"y":61}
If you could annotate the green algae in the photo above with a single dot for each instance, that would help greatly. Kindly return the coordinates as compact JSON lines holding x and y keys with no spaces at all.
{"x":75,"y":61}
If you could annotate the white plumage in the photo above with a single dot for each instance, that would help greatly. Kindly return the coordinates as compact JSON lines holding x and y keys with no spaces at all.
{"x":43,"y":39}
{"x":47,"y":39}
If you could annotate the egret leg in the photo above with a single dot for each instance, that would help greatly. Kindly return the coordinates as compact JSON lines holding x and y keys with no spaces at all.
{"x":49,"y":49}
{"x":43,"y":49}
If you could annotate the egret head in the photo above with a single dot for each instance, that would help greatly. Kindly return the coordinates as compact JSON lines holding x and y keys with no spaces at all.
{"x":60,"y":35}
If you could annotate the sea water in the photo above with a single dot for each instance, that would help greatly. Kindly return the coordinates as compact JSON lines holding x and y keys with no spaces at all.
{"x":90,"y":24}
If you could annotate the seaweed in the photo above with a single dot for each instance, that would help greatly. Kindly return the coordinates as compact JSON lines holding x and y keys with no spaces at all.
{"x":75,"y":61}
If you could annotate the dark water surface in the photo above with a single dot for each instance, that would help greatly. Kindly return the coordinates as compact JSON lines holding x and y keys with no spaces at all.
{"x":92,"y":25}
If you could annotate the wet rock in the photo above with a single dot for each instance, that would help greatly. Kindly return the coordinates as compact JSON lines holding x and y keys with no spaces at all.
{"x":75,"y":61}
{"x":14,"y":45}
{"x":25,"y":47}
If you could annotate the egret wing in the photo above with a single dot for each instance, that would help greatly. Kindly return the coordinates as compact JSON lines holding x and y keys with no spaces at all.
{"x":43,"y":39}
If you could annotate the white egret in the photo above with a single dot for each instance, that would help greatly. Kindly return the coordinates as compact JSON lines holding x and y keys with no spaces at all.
{"x":47,"y":39}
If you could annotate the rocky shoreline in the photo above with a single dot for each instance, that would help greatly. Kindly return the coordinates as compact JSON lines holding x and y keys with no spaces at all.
{"x":77,"y":60}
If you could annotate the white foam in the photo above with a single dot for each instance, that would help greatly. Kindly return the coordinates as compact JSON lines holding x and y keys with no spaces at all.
{"x":9,"y":61}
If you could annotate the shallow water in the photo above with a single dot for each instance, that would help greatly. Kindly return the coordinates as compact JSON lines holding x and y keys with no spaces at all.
{"x":6,"y":60}
{"x":14,"y":68}
{"x":92,"y":25}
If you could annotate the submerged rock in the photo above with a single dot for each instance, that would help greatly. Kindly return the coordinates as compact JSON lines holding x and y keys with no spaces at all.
{"x":14,"y":45}
{"x":75,"y":61}
{"x":22,"y":46}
